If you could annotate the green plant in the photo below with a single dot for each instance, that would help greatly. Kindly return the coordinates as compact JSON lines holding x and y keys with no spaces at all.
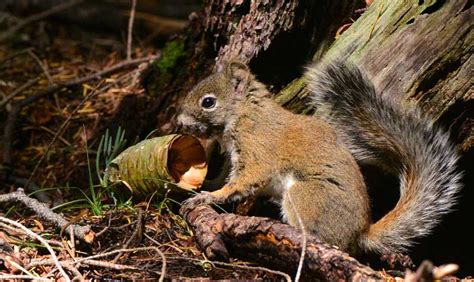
{"x":109,"y":147}
{"x":94,"y":199}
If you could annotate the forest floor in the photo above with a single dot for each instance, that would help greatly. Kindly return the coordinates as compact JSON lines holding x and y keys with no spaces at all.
{"x":54,"y":145}
{"x":62,"y":87}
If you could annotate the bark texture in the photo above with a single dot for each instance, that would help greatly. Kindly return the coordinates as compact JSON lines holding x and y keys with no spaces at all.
{"x":264,"y":21}
{"x":418,"y":50}
{"x":272,"y":243}
{"x":262,"y":33}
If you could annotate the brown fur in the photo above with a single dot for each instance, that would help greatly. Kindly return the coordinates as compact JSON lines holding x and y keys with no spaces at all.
{"x":269,"y":145}
{"x":307,"y":164}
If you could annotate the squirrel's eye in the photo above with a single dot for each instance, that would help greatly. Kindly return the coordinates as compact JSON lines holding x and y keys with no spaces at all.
{"x":208,"y":102}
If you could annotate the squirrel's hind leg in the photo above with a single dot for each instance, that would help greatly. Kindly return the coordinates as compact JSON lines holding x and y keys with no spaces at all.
{"x":309,"y":204}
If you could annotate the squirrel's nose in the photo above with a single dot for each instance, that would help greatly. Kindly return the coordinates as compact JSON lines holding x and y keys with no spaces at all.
{"x":187,"y":123}
{"x":183,"y":123}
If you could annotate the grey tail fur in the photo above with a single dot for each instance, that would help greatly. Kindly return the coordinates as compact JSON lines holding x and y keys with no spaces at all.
{"x":381,"y":130}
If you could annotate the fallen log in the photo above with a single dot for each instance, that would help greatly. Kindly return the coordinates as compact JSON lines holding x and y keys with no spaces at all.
{"x":271,"y":242}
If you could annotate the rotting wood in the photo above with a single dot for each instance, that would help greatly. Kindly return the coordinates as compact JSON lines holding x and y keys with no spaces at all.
{"x":417,"y":50}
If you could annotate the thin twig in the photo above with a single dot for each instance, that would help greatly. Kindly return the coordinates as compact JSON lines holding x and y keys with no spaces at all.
{"x":163,"y":245}
{"x":37,"y":17}
{"x":106,"y":264}
{"x":75,"y":271}
{"x":17,"y":91}
{"x":27,"y":277}
{"x":163,"y":258}
{"x":41,"y":240}
{"x":130,"y":30}
{"x":82,"y":232}
{"x":247,"y":267}
{"x":56,"y":243}
{"x":105,"y":228}
{"x":41,"y":65}
{"x":13,"y":55}
{"x":99,"y":263}
{"x":71,"y":245}
{"x":54,"y":134}
{"x":138,"y":229}
{"x":14,"y":263}
{"x":68,"y":264}
{"x":15,"y":110}
{"x":91,"y":94}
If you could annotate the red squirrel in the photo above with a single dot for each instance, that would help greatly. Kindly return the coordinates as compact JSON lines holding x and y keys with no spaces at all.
{"x":308,"y":164}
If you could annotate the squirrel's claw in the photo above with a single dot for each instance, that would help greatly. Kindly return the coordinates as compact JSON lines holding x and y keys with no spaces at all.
{"x":203,"y":198}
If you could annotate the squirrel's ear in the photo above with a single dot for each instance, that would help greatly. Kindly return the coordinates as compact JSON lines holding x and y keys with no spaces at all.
{"x":239,"y":75}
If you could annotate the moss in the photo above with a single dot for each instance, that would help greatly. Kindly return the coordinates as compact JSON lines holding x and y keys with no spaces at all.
{"x":172,"y":53}
{"x":161,"y":72}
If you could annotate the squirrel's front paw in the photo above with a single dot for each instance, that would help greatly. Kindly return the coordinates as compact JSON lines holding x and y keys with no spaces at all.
{"x":203,"y":198}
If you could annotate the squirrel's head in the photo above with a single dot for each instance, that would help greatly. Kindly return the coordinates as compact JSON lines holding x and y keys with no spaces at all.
{"x":210,"y":105}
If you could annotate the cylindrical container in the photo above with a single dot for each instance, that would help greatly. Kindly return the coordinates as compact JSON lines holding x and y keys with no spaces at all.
{"x":176,"y":162}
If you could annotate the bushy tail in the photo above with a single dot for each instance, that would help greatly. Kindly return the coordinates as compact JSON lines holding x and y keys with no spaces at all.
{"x":378,"y":129}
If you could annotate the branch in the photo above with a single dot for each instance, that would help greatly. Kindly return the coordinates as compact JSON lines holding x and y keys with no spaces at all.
{"x":15,"y":110}
{"x":130,"y":30}
{"x":17,"y":91}
{"x":82,"y":232}
{"x":37,"y":17}
{"x":273,"y":241}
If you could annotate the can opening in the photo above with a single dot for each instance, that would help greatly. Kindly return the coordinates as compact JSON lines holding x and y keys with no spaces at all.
{"x":187,"y":162}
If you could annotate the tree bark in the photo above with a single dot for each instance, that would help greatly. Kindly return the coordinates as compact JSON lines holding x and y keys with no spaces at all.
{"x":275,"y":244}
{"x":419,"y":50}
{"x":261,"y":33}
